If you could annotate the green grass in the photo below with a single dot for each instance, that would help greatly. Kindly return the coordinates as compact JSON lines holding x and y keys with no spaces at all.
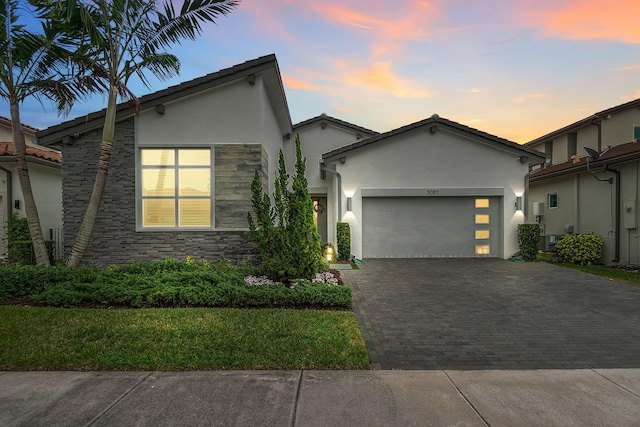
{"x":612,"y":273}
{"x":39,"y":338}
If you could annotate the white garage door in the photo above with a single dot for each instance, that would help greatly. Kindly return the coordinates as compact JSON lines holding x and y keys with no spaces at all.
{"x":412,"y":227}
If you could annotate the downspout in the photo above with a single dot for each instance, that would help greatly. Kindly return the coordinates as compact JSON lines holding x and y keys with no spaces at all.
{"x":9,"y":191}
{"x":599,"y":125}
{"x":323,"y":168}
{"x":617,"y":218}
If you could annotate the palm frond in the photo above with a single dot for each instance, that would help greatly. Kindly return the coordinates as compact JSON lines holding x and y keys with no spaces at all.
{"x":172,"y":27}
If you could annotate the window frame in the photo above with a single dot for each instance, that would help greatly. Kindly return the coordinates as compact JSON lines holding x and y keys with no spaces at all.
{"x":636,"y":133}
{"x":176,"y":197}
{"x":549,"y":195}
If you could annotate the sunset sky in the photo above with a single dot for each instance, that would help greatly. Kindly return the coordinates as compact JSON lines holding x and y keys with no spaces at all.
{"x":514,"y":68}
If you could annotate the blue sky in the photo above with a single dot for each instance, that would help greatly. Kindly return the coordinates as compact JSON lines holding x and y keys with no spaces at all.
{"x":514,"y":68}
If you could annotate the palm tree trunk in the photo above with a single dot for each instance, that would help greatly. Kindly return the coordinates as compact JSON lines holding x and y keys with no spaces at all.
{"x":86,"y":228}
{"x":20,"y":151}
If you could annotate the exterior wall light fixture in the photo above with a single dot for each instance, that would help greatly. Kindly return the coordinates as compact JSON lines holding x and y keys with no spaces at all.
{"x":519,"y":203}
{"x":349,"y":203}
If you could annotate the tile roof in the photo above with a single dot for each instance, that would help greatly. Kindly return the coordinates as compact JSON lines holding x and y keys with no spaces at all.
{"x":587,"y":120}
{"x":326,"y":118}
{"x":436,"y":120}
{"x":6,"y":149}
{"x":617,"y":154}
{"x":7,"y":121}
{"x":96,"y":119}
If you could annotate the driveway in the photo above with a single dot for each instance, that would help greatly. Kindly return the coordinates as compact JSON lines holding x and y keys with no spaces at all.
{"x":493,"y":314}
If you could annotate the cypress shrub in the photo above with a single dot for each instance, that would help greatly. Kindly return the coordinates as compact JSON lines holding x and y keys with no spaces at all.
{"x":284,"y":232}
{"x":529,"y":241}
{"x":343,"y":231}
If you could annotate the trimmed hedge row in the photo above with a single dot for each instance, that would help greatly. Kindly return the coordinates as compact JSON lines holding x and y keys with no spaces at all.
{"x":580,"y":249}
{"x":161,"y":284}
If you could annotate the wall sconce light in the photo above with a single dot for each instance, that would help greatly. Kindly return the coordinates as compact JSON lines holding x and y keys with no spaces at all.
{"x":349,"y":203}
{"x":16,"y":204}
{"x":519,"y":203}
{"x":329,"y":253}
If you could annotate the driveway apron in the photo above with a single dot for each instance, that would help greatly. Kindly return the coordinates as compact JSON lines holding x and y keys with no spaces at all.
{"x":493,"y":314}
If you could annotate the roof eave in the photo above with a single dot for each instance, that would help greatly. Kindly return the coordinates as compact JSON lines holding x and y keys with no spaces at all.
{"x":55,"y":134}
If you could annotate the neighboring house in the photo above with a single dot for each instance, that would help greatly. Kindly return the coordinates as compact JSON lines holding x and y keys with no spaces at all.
{"x":181,"y":172}
{"x":434,"y":188}
{"x":44,"y":172}
{"x":599,"y":196}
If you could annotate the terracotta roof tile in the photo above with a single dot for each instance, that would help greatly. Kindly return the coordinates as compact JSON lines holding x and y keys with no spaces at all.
{"x":617,"y":154}
{"x":6,"y":149}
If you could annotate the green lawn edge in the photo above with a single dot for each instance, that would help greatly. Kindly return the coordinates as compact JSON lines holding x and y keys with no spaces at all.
{"x":178,"y":339}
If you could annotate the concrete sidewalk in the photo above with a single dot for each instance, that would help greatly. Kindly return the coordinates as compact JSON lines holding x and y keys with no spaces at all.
{"x":322,"y":398}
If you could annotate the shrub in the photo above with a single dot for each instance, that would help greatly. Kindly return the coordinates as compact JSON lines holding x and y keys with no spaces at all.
{"x":579,"y":249}
{"x":285,"y":233}
{"x":529,"y":240}
{"x":165,"y":284}
{"x":343,"y":231}
{"x":19,"y":247}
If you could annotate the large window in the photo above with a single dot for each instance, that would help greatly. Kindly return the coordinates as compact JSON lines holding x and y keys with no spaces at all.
{"x":176,"y":187}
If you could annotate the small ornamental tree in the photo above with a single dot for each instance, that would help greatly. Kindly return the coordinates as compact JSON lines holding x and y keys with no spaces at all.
{"x":284,"y":232}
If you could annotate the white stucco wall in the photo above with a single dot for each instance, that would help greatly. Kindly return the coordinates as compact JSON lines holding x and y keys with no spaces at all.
{"x":235,"y":113}
{"x":419,"y":159}
{"x":46,"y":183}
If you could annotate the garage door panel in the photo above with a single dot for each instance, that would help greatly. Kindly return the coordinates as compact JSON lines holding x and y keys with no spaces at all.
{"x":428,"y":227}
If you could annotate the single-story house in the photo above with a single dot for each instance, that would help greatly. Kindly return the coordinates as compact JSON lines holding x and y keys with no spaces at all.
{"x":435,"y":188}
{"x":44,"y":171}
{"x":181,"y":171}
{"x":589,"y":182}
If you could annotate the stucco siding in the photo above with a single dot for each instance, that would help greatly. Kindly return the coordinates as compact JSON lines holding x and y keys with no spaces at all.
{"x":619,"y":128}
{"x":442,"y":160}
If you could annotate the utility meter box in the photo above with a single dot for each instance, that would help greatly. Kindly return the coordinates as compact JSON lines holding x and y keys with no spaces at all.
{"x":629,"y":214}
{"x":538,"y":208}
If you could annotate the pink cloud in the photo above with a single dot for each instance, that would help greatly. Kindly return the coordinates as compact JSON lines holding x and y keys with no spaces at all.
{"x":631,"y":67}
{"x":587,"y":19}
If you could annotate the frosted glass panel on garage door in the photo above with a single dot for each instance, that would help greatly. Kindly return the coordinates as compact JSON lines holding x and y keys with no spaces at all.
{"x":411,"y":227}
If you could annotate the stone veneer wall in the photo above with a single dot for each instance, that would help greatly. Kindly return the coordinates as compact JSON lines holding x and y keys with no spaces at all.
{"x":115,"y":239}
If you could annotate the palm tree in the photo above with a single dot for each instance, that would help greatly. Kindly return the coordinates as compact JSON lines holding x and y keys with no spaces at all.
{"x":33,"y":64}
{"x":128,"y":38}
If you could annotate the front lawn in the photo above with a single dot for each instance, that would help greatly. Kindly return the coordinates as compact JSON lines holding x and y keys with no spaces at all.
{"x":610,"y":272}
{"x":43,"y":338}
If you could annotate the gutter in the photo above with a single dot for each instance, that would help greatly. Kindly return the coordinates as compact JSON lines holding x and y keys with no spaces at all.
{"x":323,"y":168}
{"x":9,"y":191}
{"x":617,"y":218}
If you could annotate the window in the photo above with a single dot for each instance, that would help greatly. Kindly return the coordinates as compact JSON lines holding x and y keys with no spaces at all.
{"x":483,"y":250}
{"x":176,"y":187}
{"x":482,"y":234}
{"x":482,"y":219}
{"x":482,"y":203}
{"x":636,"y":133}
{"x":552,"y":200}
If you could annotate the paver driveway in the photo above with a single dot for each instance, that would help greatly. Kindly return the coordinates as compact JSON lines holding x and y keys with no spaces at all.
{"x":493,"y":314}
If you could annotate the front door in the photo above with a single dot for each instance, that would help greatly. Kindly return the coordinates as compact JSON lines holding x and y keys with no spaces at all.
{"x":320,"y":216}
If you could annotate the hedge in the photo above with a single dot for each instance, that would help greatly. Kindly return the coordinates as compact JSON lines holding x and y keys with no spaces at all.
{"x":161,"y":284}
{"x":579,"y":249}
